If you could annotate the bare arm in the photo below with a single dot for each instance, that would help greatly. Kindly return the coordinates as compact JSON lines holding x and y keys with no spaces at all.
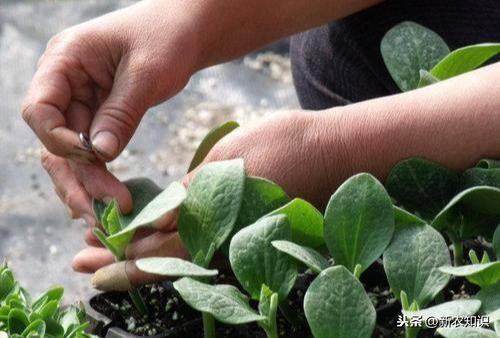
{"x":455,"y":122}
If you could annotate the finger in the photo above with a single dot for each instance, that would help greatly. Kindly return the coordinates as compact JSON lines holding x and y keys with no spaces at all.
{"x":102,"y":185}
{"x":122,"y":276}
{"x":90,"y":260}
{"x":159,"y":244}
{"x":119,"y":115}
{"x":167,"y":222}
{"x":43,"y":110}
{"x":69,"y":190}
{"x":91,"y":239}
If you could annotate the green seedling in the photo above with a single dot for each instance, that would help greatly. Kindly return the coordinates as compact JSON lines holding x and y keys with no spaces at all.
{"x":416,"y":56}
{"x":20,"y":317}
{"x":151,"y":204}
{"x":359,"y":222}
{"x":206,"y":219}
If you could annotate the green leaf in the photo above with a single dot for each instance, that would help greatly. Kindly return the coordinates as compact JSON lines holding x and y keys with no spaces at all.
{"x":359,"y":222}
{"x":465,"y":59}
{"x":49,"y":309}
{"x":101,"y":236}
{"x":260,"y":197}
{"x":310,"y":257}
{"x":496,"y":243}
{"x":208,"y":142}
{"x":421,"y":186}
{"x":404,"y":218}
{"x":255,"y":261}
{"x":412,"y":262}
{"x":36,"y":327}
{"x":225,"y":302}
{"x":111,"y":218}
{"x":480,"y":199}
{"x":173,"y":267}
{"x":306,"y":222}
{"x":17,"y":321}
{"x":211,"y":208}
{"x":159,"y":207}
{"x":265,"y":301}
{"x":479,"y":176}
{"x":460,"y":307}
{"x":409,"y":47}
{"x":56,"y":293}
{"x":426,"y":79}
{"x":337,"y":306}
{"x":480,"y":274}
{"x":489,"y":295}
{"x":466,"y":332}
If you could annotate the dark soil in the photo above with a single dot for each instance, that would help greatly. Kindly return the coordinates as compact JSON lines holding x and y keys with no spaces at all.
{"x":175,"y":319}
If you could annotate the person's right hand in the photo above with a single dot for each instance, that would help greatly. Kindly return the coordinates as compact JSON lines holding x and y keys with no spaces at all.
{"x":99,"y":78}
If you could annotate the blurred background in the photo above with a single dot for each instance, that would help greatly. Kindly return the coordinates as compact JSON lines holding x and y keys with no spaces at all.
{"x":37,"y":237}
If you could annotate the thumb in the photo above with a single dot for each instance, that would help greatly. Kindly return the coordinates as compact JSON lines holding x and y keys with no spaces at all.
{"x":119,"y":115}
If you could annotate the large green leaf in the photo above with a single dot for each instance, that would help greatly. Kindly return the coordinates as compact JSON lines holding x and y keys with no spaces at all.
{"x":310,"y":257}
{"x":173,"y":267}
{"x":409,"y":47}
{"x":480,"y":274}
{"x":482,"y":199}
{"x":337,"y":306}
{"x":260,"y":197}
{"x":306,"y":222}
{"x":421,"y":186}
{"x":225,"y":302}
{"x":17,"y":321}
{"x":460,"y":307}
{"x":412,"y":262}
{"x":359,"y":222}
{"x":464,"y":59}
{"x":466,"y":332}
{"x":211,"y":208}
{"x":209,"y":141}
{"x":496,"y":243}
{"x":255,"y":261}
{"x":489,"y":295}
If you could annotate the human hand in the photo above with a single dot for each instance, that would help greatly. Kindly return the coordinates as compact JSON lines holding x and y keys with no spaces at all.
{"x":99,"y":78}
{"x":282,"y":148}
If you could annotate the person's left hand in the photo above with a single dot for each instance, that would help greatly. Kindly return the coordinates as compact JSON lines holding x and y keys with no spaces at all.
{"x":283,"y":148}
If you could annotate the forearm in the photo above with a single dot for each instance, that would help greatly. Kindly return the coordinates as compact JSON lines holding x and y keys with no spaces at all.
{"x":455,"y":123}
{"x":232,"y":28}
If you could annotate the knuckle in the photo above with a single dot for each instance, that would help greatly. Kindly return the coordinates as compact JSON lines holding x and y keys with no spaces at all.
{"x":47,"y":160}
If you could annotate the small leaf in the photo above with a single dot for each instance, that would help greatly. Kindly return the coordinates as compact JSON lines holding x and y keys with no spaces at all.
{"x":211,"y":208}
{"x":225,"y":302}
{"x":460,"y":307}
{"x":49,"y":309}
{"x":255,"y":261}
{"x":496,"y":243}
{"x":337,"y":306}
{"x":111,"y":218}
{"x":479,"y":176}
{"x":465,"y":59}
{"x":160,"y":206}
{"x":404,"y":218}
{"x":265,"y":301}
{"x":480,"y":274}
{"x":260,"y":197}
{"x":56,"y":293}
{"x":412,"y":262}
{"x":486,"y":163}
{"x":310,"y":257}
{"x":101,"y":236}
{"x":208,"y":142}
{"x":409,"y":47}
{"x":421,"y":186}
{"x":359,"y":222}
{"x":17,"y":321}
{"x":306,"y":222}
{"x":480,"y":199}
{"x":466,"y":332}
{"x":36,"y":327}
{"x":426,"y":79}
{"x":173,"y":267}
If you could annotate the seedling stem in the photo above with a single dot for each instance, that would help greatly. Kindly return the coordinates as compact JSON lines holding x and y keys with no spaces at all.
{"x":208,"y":325}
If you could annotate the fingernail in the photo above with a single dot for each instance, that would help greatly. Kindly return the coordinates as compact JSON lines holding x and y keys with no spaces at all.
{"x":112,"y":278}
{"x":106,"y":143}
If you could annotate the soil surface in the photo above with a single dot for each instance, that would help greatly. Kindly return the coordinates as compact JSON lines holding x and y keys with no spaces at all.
{"x":36,"y":234}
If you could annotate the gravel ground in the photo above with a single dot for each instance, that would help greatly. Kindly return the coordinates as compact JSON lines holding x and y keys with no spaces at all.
{"x":36,"y":235}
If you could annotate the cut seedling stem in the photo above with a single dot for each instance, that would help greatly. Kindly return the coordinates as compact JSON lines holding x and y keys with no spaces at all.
{"x":458,"y":249}
{"x":358,"y":269}
{"x":138,"y":301}
{"x":208,"y":325}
